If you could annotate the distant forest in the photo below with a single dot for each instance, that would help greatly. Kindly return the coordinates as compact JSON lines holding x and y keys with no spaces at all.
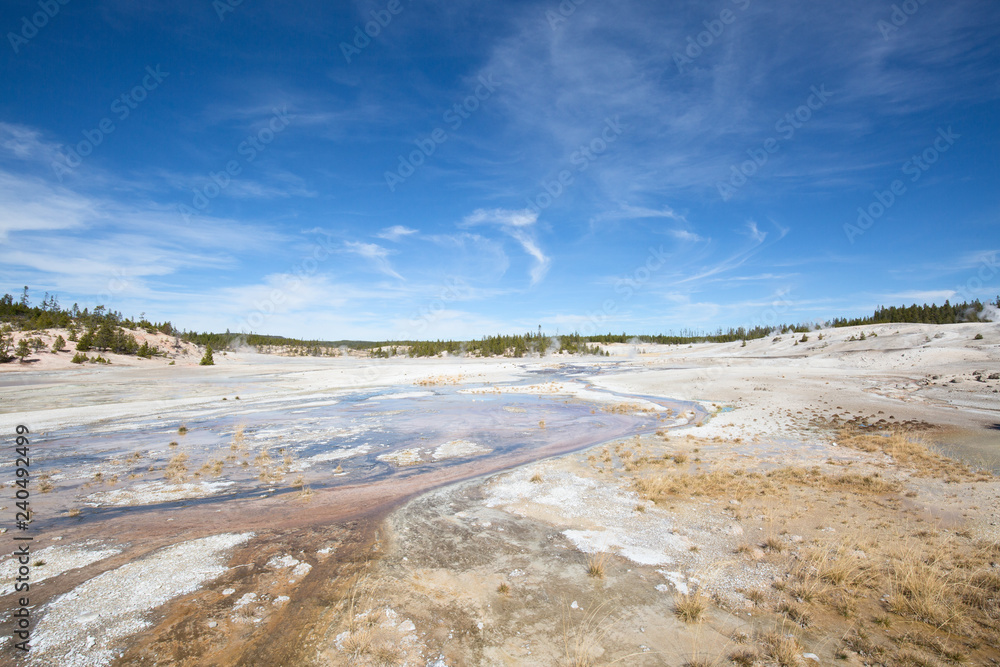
{"x":105,"y":330}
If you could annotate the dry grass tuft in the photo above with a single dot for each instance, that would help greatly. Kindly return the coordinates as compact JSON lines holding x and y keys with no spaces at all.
{"x":745,"y":657}
{"x":909,"y":451}
{"x":595,"y":565}
{"x":781,"y":648}
{"x":690,"y":607}
{"x":176,"y":470}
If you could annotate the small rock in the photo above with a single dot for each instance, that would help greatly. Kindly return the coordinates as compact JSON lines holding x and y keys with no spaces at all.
{"x":574,"y":605}
{"x":212,"y":624}
{"x":795,"y":538}
{"x":811,"y":656}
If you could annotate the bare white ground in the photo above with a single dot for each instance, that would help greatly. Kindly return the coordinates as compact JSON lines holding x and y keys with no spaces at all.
{"x":341,"y":453}
{"x":148,"y":493}
{"x":84,"y":628}
{"x":457,"y":449}
{"x":53,"y":561}
{"x":575,"y":389}
{"x":602,"y":517}
{"x":404,"y":394}
{"x":403,"y":457}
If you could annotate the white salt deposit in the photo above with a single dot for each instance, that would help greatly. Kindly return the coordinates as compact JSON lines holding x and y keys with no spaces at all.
{"x":403,"y":457}
{"x":148,"y":493}
{"x":101,"y":612}
{"x":458,"y":448}
{"x":53,"y":561}
{"x":342,"y":453}
{"x":613,"y":525}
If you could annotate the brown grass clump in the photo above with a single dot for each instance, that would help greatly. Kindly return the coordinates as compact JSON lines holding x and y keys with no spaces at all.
{"x":595,"y":566}
{"x":503,"y":588}
{"x":745,"y":657}
{"x":690,"y":607}
{"x":239,"y":438}
{"x":536,"y":478}
{"x":774,"y":544}
{"x":739,"y":485}
{"x":176,"y":470}
{"x":795,"y":613}
{"x":742,"y":484}
{"x":782,"y":648}
{"x":44,"y":484}
{"x":909,"y":451}
{"x":213,"y":467}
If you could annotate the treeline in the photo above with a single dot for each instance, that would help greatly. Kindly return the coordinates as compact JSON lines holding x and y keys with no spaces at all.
{"x":933,"y":314}
{"x":234,"y":341}
{"x":491,"y":346}
{"x":99,"y":329}
{"x":687,"y":337}
{"x":20,"y":314}
{"x":104,"y":330}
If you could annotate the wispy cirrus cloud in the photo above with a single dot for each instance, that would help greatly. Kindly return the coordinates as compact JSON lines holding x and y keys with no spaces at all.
{"x":376,"y":254}
{"x":395,"y":233}
{"x":516,"y":224}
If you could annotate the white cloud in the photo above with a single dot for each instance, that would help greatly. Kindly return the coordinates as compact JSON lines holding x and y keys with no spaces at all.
{"x":502,"y":217}
{"x":378,"y":255}
{"x":685,"y":235}
{"x":395,"y":232}
{"x":755,"y":233}
{"x":515,"y":223}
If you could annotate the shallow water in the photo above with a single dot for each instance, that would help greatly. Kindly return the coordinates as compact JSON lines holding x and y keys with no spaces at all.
{"x":328,"y":439}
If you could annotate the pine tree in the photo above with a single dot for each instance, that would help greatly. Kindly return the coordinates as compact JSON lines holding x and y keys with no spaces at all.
{"x":60,"y":344}
{"x":6,"y":343}
{"x":23,"y":350}
{"x":86,"y":342}
{"x":207,"y":360}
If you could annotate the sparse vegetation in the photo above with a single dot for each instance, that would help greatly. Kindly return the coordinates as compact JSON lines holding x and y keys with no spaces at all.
{"x":690,"y":607}
{"x":595,"y":565}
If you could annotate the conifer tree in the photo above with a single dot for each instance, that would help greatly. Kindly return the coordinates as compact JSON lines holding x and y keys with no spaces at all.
{"x":207,"y":360}
{"x":23,"y":350}
{"x":59,"y":344}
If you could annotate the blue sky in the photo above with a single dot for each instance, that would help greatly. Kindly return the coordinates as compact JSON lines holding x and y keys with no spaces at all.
{"x":482,"y":167}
